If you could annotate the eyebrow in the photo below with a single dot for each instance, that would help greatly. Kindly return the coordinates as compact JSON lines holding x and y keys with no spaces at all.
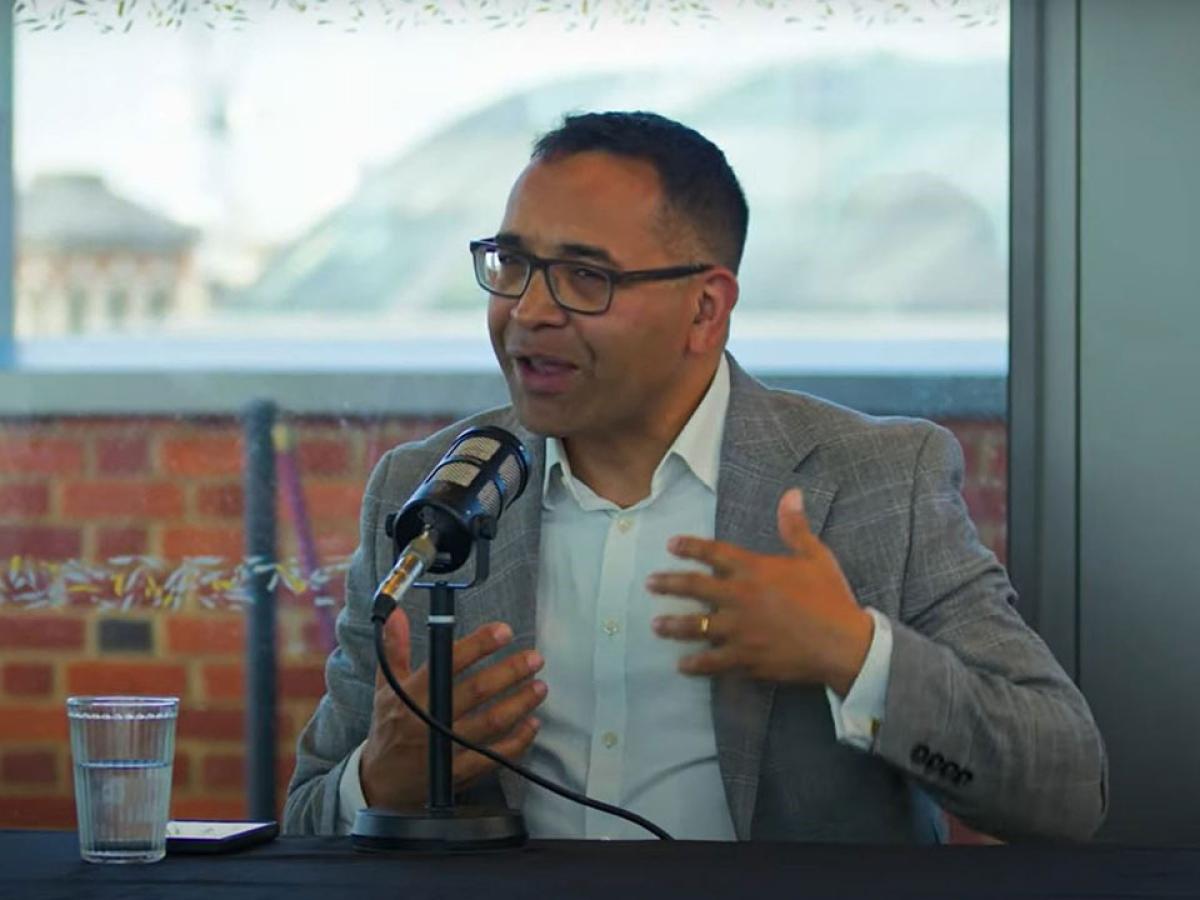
{"x":584,"y":251}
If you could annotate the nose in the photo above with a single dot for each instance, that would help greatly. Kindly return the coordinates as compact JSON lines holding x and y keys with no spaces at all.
{"x":536,"y":306}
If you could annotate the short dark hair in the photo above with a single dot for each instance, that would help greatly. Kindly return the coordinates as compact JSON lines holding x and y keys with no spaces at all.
{"x":697,"y":181}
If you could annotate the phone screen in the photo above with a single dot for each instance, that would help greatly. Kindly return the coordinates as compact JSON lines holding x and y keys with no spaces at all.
{"x":213,"y":831}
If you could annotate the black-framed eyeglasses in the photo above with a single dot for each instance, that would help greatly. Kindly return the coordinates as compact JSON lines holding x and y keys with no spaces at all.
{"x":576,"y":286}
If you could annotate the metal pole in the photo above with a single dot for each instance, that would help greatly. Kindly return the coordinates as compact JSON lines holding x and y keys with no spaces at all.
{"x":8,"y":275}
{"x":259,"y":483}
{"x":441,"y":699}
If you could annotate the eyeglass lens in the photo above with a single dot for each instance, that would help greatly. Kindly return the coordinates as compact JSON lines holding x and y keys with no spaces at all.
{"x":574,"y":285}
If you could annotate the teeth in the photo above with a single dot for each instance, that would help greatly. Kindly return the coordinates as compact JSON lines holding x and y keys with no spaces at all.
{"x":541,"y":364}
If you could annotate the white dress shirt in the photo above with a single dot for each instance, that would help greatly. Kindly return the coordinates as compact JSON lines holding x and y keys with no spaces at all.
{"x":619,"y":722}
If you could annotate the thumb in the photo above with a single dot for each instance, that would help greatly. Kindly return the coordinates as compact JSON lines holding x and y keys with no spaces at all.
{"x":793,"y":524}
{"x":396,"y":644}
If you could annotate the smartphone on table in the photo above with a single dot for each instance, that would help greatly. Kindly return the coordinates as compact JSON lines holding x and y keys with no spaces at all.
{"x":185,"y":836}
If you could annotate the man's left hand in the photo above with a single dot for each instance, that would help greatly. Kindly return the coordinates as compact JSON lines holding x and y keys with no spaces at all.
{"x":790,"y":618}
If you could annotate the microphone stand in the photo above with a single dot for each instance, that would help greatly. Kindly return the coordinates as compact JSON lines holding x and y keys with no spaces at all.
{"x":441,"y":825}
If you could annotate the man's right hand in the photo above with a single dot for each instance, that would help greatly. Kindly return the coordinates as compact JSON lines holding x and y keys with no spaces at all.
{"x":394,"y":767}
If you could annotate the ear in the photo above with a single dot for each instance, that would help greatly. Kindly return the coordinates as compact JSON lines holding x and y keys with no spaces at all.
{"x":714,"y":304}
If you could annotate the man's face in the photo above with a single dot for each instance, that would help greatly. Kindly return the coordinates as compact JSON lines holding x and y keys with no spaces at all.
{"x":573,"y":375}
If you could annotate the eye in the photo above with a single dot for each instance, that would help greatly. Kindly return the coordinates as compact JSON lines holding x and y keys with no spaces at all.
{"x":583,"y":273}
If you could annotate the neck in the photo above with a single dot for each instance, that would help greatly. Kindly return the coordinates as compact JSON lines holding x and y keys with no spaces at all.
{"x":619,"y":463}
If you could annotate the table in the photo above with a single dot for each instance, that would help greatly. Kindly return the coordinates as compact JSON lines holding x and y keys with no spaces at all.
{"x":46,"y":864}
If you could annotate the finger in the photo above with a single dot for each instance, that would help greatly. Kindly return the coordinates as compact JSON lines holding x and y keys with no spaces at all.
{"x":724,"y":559}
{"x":495,"y":680}
{"x":499,"y":718}
{"x":470,"y":765}
{"x":691,"y":628}
{"x":793,"y":523}
{"x":396,"y":646}
{"x":710,"y":662}
{"x":695,"y":585}
{"x":483,"y":641}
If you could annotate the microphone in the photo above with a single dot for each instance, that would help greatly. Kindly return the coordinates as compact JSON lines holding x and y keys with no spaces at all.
{"x":460,"y":501}
{"x":454,"y":510}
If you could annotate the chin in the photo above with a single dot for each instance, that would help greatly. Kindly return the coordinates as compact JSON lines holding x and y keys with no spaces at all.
{"x":545,"y":422}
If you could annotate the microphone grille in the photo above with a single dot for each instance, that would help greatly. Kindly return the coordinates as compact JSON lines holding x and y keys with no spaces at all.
{"x":510,"y":474}
{"x":479,"y":450}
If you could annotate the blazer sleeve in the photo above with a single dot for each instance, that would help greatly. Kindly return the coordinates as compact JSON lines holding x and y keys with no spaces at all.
{"x":343,"y":716}
{"x":978,"y":711}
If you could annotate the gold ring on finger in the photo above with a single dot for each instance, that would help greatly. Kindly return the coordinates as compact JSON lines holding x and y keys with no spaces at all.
{"x":705,"y":621}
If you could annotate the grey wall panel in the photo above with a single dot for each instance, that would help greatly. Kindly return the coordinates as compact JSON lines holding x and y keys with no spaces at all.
{"x":1139,"y":372}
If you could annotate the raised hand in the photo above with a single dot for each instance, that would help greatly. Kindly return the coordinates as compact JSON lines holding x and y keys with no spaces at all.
{"x":789,"y":618}
{"x":492,"y":707}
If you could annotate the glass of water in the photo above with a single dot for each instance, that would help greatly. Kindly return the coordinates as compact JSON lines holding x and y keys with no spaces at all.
{"x":123,"y":749}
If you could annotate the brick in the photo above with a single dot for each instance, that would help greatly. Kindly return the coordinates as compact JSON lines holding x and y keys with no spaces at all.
{"x":42,"y":632}
{"x":302,"y":682}
{"x":29,"y":767}
{"x":285,"y":766}
{"x":285,"y":727}
{"x":40,"y":456}
{"x":122,"y":455}
{"x":336,"y":500}
{"x":39,"y":812}
{"x":222,"y":500}
{"x":40,"y":542}
{"x":214,"y":808}
{"x":125,"y":636}
{"x":324,"y":457}
{"x":24,"y":500}
{"x":135,"y":678}
{"x":181,"y":771}
{"x":153,"y":500}
{"x":224,"y":771}
{"x":211,"y":724}
{"x":117,"y":541}
{"x":202,"y":456}
{"x":28,"y":679}
{"x":225,"y":681}
{"x":184,"y":541}
{"x":338,"y":543}
{"x":314,"y":638}
{"x":195,"y":635}
{"x":988,"y":505}
{"x":999,"y":472}
{"x":995,"y":538}
{"x":33,"y":723}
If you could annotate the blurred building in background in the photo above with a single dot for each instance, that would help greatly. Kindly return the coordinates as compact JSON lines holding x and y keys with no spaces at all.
{"x":90,"y":261}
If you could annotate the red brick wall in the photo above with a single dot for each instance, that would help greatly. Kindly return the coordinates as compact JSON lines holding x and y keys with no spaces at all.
{"x":79,"y":496}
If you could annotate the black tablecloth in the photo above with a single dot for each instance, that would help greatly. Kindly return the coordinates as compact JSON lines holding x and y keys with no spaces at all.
{"x":37,"y":864}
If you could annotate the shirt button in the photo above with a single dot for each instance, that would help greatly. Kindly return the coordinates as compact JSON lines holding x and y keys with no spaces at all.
{"x":609,"y":739}
{"x":611,"y":627}
{"x":623,"y":525}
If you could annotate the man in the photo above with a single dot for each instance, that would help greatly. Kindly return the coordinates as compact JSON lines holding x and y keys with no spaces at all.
{"x":741,"y":613}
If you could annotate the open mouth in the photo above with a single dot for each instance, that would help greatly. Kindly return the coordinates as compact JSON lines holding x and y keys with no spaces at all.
{"x":544,"y":374}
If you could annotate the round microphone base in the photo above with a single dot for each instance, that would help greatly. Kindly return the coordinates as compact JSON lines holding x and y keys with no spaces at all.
{"x":460,"y":829}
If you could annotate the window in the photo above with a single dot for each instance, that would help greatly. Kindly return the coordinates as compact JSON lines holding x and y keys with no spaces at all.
{"x":290,"y":211}
{"x":202,"y":209}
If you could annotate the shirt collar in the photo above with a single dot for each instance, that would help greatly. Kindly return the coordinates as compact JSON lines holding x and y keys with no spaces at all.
{"x":698,"y":445}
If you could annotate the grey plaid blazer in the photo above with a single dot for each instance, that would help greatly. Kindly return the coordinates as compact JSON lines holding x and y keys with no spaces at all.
{"x":979,"y":715}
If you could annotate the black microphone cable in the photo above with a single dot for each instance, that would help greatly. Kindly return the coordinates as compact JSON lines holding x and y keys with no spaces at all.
{"x":381,"y":651}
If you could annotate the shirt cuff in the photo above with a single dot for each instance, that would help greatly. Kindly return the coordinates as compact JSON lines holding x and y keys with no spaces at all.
{"x":857,"y":716}
{"x":350,"y":795}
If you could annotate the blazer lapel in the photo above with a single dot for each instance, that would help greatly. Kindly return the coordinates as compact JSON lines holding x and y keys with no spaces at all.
{"x":760,"y":460}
